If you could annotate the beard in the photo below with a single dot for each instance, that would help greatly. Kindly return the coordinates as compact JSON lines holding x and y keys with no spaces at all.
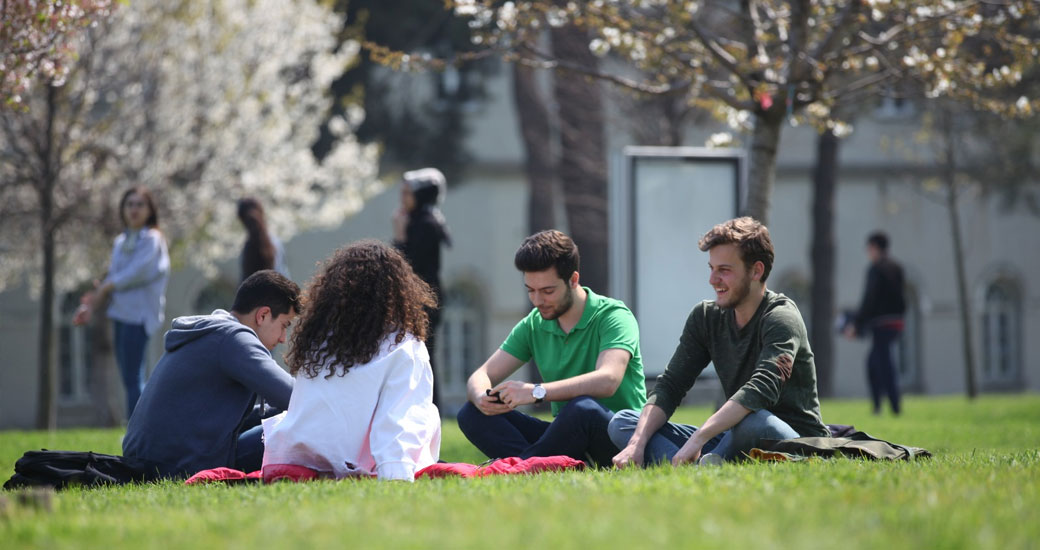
{"x":737,"y":294}
{"x":563,"y":307}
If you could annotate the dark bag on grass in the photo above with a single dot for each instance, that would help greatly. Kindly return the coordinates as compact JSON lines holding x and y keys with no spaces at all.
{"x":61,"y":469}
{"x":856,"y":444}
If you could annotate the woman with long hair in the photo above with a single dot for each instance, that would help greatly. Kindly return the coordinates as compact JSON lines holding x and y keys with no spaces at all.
{"x":362,"y":399}
{"x":134,"y":288}
{"x":419,"y":231}
{"x":262,"y":250}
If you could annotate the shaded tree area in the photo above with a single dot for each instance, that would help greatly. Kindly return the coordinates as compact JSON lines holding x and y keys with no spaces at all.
{"x":417,"y":122}
{"x":760,"y":64}
{"x":978,"y":156}
{"x":583,"y":159}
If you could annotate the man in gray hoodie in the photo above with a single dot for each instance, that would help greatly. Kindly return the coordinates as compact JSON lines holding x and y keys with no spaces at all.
{"x":197,"y":410}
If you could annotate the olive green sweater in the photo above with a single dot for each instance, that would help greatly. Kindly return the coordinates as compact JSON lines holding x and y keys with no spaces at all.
{"x":745,"y":361}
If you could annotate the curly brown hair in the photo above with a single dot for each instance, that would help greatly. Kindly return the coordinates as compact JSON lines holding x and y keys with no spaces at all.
{"x":363,"y":293}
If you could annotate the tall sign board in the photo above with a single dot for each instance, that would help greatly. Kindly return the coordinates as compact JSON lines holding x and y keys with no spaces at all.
{"x":662,"y":200}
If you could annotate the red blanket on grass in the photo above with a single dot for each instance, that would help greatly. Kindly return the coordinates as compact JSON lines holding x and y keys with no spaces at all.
{"x":502,"y":466}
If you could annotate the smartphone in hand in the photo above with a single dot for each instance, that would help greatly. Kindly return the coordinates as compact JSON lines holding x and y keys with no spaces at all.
{"x":498,"y":398}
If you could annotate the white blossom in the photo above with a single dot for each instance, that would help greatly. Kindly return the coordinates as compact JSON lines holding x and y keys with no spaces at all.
{"x":205,"y":102}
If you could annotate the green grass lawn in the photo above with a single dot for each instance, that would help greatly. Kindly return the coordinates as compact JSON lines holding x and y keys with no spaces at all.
{"x":981,"y":490}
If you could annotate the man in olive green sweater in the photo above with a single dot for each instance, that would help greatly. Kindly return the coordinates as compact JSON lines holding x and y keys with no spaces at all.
{"x":759,"y":346}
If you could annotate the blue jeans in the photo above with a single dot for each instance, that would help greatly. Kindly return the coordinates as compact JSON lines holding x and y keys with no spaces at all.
{"x":249,"y":451}
{"x":730,"y":445}
{"x":881,"y":369}
{"x":130,"y":341}
{"x":579,"y":431}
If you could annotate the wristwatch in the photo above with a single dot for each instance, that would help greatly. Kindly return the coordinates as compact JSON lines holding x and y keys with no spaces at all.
{"x":538,"y":392}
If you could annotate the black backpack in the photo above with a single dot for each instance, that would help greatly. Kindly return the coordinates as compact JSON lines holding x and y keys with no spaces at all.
{"x":61,"y":469}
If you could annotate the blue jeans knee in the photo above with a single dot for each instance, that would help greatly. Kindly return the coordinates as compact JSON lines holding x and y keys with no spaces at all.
{"x":621,"y":426}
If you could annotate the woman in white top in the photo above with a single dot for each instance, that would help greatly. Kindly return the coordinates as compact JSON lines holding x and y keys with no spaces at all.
{"x":362,"y":400}
{"x":134,"y":288}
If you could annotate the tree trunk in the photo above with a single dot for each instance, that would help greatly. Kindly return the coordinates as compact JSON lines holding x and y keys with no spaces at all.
{"x":47,"y":406}
{"x":962,"y":293}
{"x":762,"y":170}
{"x":536,"y":132}
{"x":823,"y":252}
{"x":950,"y":181}
{"x":583,"y":162}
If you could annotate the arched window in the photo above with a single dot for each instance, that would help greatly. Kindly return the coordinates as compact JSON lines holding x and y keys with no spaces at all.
{"x":74,"y":354}
{"x":460,"y":344}
{"x":1001,"y":335}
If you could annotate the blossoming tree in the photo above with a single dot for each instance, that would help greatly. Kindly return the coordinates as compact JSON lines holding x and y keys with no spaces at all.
{"x":203,"y":101}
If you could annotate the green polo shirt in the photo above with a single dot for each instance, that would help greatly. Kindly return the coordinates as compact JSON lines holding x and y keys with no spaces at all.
{"x":605,"y":324}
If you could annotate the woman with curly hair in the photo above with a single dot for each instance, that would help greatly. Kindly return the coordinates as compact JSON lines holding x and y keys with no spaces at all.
{"x":362,"y":401}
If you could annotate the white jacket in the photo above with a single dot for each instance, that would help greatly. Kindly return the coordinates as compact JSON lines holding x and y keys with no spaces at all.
{"x":379,"y":418}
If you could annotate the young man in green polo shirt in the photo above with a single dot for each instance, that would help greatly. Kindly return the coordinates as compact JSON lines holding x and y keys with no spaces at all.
{"x":758,"y":344}
{"x":586,"y":348}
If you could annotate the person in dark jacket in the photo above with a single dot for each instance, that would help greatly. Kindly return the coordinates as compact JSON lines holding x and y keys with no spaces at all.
{"x":198,"y":411}
{"x":419,"y":232}
{"x":881,"y":312}
{"x":262,"y":250}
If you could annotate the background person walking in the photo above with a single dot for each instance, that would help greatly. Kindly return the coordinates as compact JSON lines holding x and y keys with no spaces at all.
{"x":262,"y":250}
{"x":419,"y":231}
{"x":881,"y":312}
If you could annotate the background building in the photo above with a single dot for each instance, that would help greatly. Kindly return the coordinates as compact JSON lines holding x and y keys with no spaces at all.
{"x":880,"y":187}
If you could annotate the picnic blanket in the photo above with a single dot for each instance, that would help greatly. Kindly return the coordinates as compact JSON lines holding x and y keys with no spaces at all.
{"x":503,"y":466}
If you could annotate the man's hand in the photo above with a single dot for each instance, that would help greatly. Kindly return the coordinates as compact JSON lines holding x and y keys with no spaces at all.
{"x":490,"y":405}
{"x":689,"y":453}
{"x":515,"y":393}
{"x":850,"y":331}
{"x":631,"y":455}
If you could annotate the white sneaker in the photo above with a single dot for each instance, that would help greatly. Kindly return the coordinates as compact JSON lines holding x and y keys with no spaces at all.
{"x":710,"y":459}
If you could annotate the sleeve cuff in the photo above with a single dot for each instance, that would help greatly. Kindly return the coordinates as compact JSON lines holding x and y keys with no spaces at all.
{"x":398,"y":471}
{"x":749,"y":400}
{"x":665,"y":404}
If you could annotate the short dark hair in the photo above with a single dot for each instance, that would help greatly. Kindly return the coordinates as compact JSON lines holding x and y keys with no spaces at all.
{"x":750,"y":236}
{"x":268,"y":288}
{"x":153,"y":212}
{"x":545,"y":249}
{"x":879,"y":239}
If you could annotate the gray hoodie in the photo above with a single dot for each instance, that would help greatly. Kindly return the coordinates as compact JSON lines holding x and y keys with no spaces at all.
{"x":191,"y":411}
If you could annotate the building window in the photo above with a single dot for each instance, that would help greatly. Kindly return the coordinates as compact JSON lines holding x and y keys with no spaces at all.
{"x":908,"y":353}
{"x":460,"y":345}
{"x":218,"y":294}
{"x":796,"y":286}
{"x":893,"y":105}
{"x":1001,"y":330}
{"x":74,"y":354}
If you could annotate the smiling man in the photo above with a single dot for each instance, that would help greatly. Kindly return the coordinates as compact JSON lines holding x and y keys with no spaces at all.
{"x":198,"y":409}
{"x":586,"y":348}
{"x":758,"y":343}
